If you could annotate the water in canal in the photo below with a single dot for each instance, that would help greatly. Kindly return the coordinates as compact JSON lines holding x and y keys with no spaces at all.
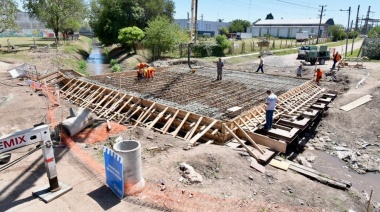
{"x":97,"y":62}
{"x":331,"y":165}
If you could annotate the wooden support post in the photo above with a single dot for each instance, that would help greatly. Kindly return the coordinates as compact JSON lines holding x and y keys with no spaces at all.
{"x":180,"y":125}
{"x":170,"y":121}
{"x":192,"y":131}
{"x":122,"y":107}
{"x":157,"y":118}
{"x":241,"y":142}
{"x":250,"y":139}
{"x":146,"y":113}
{"x":199,"y":135}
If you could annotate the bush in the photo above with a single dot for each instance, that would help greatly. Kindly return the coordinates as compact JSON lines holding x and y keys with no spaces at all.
{"x":116,"y":68}
{"x":113,"y":62}
{"x":207,"y":50}
{"x":353,"y":34}
{"x":223,"y":41}
{"x":372,"y":50}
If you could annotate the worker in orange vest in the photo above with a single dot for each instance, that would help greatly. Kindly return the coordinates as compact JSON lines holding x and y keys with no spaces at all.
{"x":140,"y":71}
{"x":336,"y":59}
{"x":319,"y":73}
{"x":151,"y":71}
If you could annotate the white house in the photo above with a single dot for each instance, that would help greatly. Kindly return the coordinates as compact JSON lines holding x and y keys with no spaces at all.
{"x":210,"y":28}
{"x":288,"y":28}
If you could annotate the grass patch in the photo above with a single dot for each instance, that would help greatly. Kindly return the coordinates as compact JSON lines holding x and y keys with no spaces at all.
{"x":82,"y":67}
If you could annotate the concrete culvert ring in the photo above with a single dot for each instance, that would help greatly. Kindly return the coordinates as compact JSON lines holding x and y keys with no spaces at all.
{"x":127,"y":146}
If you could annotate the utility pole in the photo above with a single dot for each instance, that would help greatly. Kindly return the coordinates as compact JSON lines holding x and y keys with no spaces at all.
{"x":366,"y":20}
{"x":320,"y":20}
{"x":348,"y":27}
{"x":193,"y":25}
{"x":352,"y":22}
{"x":357,"y":19}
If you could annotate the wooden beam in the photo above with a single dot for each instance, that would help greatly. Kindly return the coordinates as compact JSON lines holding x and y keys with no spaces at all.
{"x":180,"y":125}
{"x":192,"y":131}
{"x":265,"y":141}
{"x":146,"y":113}
{"x":169,"y":123}
{"x":250,"y":139}
{"x":241,"y":142}
{"x":157,"y":118}
{"x":199,"y":135}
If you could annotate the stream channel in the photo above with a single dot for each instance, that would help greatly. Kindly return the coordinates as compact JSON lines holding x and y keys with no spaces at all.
{"x":97,"y":62}
{"x":334,"y":167}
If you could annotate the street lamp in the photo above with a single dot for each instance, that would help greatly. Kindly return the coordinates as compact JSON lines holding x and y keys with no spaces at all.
{"x":348,"y":26}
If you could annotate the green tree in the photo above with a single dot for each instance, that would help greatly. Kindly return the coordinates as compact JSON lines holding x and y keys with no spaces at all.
{"x":223,"y":41}
{"x":58,"y":15}
{"x":162,"y":35}
{"x":239,"y":25}
{"x":269,"y":16}
{"x":8,"y":15}
{"x":374,"y":32}
{"x":130,"y":36}
{"x":337,"y":31}
{"x":353,"y":34}
{"x":109,"y":16}
{"x":223,"y":31}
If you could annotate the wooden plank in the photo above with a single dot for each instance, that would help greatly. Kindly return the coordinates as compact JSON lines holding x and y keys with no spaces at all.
{"x":240,"y":141}
{"x":266,"y":156}
{"x":101,"y":101}
{"x":146,"y":113}
{"x":265,"y":141}
{"x":199,"y":135}
{"x":122,"y":107}
{"x":169,"y":123}
{"x":148,"y":116}
{"x":180,"y":125}
{"x":257,"y":166}
{"x":192,"y":131}
{"x":249,"y":139}
{"x":279,"y":164}
{"x":356,"y":103}
{"x":321,"y":179}
{"x":157,"y":118}
{"x":348,"y":184}
{"x":113,"y":106}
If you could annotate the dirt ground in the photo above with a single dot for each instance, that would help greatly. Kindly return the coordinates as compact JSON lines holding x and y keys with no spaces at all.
{"x":229,"y":184}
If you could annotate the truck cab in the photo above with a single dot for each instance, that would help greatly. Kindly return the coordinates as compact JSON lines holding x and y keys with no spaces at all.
{"x":320,"y":54}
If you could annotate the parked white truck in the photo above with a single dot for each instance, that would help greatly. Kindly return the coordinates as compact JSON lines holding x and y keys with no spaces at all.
{"x":302,"y":36}
{"x":243,"y":35}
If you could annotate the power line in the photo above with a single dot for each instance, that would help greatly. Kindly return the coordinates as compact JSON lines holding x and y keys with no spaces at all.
{"x":297,"y":4}
{"x":244,"y":4}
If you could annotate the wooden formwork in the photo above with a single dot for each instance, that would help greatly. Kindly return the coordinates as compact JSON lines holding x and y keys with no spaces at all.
{"x":296,"y":109}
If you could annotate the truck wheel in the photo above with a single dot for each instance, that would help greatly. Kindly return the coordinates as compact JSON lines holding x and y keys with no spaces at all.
{"x":312,"y":62}
{"x":321,"y":61}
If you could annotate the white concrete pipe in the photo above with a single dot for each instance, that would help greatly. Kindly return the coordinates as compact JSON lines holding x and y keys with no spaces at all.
{"x":130,"y":151}
{"x":74,"y":125}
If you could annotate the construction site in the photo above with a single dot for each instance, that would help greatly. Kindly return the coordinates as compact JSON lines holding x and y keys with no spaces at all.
{"x":183,"y":117}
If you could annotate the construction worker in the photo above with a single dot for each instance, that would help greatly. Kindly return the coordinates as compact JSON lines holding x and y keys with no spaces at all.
{"x":140,"y":71}
{"x":299,"y":71}
{"x":219,"y":69}
{"x":261,"y":65}
{"x":271,"y":105}
{"x":336,"y":58}
{"x":318,"y":73}
{"x":151,"y":71}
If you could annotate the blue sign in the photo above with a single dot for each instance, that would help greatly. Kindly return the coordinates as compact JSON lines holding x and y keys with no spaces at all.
{"x":114,"y":171}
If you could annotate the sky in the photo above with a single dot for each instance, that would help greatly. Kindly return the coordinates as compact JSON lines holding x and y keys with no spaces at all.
{"x":251,"y":10}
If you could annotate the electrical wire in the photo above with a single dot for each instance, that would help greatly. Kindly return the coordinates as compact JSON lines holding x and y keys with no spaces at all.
{"x":38,"y":147}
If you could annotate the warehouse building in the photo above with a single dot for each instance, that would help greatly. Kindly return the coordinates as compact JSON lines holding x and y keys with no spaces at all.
{"x":288,"y":28}
{"x":210,"y":28}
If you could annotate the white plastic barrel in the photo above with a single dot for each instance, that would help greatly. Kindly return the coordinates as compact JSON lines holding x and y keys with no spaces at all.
{"x":130,"y":151}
